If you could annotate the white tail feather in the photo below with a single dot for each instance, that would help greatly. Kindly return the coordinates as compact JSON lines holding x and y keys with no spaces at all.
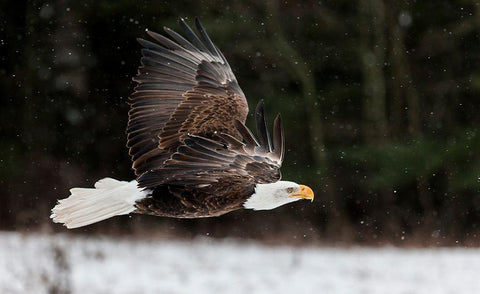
{"x":86,"y":206}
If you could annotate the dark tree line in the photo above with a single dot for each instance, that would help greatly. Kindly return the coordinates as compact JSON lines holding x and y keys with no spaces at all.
{"x":379,"y":98}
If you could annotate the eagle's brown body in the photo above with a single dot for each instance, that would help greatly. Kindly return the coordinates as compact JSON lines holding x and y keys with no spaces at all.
{"x":181,"y":202}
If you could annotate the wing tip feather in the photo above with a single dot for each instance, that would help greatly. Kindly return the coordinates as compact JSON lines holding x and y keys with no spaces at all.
{"x":262,"y":128}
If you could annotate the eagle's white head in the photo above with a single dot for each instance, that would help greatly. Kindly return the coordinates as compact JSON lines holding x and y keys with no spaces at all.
{"x":270,"y":196}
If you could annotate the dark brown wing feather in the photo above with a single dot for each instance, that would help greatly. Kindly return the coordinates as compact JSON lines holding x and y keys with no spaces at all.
{"x":200,"y":161}
{"x":185,"y":86}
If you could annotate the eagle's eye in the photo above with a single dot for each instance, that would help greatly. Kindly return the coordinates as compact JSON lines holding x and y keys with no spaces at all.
{"x":290,"y":190}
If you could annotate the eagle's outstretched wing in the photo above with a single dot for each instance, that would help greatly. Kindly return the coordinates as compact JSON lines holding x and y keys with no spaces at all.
{"x":185,"y":86}
{"x":200,"y":161}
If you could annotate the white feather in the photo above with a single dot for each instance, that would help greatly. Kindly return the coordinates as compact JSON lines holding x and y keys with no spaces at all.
{"x":270,"y":196}
{"x":90,"y":205}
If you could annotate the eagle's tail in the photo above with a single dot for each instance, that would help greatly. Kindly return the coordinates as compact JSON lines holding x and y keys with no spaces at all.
{"x":90,"y":205}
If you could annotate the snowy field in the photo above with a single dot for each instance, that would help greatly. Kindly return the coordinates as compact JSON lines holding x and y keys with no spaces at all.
{"x":61,"y":264}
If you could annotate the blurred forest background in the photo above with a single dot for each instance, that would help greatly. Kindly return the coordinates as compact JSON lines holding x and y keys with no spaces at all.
{"x":380,"y":101}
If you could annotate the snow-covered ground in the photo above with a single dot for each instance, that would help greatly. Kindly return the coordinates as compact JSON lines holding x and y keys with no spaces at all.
{"x":59,"y":264}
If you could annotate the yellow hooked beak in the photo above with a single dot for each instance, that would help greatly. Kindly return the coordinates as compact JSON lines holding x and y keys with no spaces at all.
{"x":304,"y":192}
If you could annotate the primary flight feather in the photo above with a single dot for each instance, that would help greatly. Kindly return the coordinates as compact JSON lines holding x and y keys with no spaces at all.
{"x":192,"y":153}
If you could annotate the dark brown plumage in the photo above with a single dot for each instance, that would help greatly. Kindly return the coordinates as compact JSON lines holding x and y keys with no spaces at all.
{"x":183,"y":87}
{"x":186,"y":131}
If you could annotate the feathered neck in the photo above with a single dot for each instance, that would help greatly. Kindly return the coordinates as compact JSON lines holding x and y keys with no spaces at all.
{"x":270,"y":196}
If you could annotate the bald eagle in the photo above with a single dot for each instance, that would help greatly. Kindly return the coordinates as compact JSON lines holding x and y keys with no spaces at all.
{"x":191,"y":151}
